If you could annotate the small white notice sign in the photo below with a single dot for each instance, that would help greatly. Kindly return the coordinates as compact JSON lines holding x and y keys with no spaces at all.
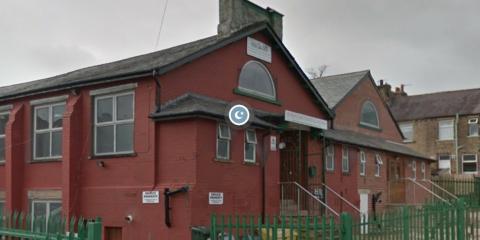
{"x":259,"y":50}
{"x":215,"y":198}
{"x":150,"y":197}
{"x":273,"y":143}
{"x":305,"y":120}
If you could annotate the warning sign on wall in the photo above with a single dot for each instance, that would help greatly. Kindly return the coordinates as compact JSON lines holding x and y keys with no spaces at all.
{"x":215,"y":198}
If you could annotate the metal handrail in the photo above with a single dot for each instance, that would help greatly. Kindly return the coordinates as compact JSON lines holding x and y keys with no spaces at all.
{"x":313,"y":196}
{"x":428,"y":190}
{"x":342,"y":198}
{"x":443,"y":189}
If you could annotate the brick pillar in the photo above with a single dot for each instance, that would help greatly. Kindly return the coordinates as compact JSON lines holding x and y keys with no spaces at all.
{"x":272,"y":176}
{"x":15,"y":158}
{"x":72,"y":152}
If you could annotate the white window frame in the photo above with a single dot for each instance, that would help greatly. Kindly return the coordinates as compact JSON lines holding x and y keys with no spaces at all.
{"x":345,"y":159}
{"x":47,"y":209}
{"x":414,"y":169}
{"x":363,"y":163}
{"x":368,"y":102}
{"x":449,"y":160}
{"x":255,"y":92}
{"x":407,"y":126}
{"x":469,"y":161}
{"x":2,"y":136}
{"x":473,"y":122}
{"x":423,"y":170}
{"x":330,"y":157}
{"x":227,"y":138}
{"x":49,"y":130}
{"x":378,"y":165}
{"x":448,"y":125}
{"x":252,"y":142}
{"x":113,"y":123}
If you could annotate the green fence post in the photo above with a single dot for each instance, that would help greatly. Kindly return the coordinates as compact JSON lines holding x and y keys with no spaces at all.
{"x":346,"y":226}
{"x":94,"y":230}
{"x":213,"y":227}
{"x":406,"y":223}
{"x":460,"y":219}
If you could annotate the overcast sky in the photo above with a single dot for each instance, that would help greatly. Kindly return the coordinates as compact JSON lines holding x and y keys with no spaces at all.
{"x":428,"y":45}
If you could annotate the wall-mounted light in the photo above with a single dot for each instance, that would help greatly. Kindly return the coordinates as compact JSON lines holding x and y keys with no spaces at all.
{"x":100,"y":164}
{"x":129,"y":218}
{"x":282,"y":145}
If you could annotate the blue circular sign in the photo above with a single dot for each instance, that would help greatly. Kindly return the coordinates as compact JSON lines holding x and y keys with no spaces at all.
{"x":239,"y":115}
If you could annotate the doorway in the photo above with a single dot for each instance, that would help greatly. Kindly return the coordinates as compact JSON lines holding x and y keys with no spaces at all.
{"x":396,"y":182}
{"x":113,"y":233}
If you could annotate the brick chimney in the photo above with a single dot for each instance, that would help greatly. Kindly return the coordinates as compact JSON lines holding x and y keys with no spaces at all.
{"x":385,"y":90}
{"x":236,"y":14}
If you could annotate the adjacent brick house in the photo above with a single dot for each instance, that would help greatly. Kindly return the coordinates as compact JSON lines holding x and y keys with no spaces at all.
{"x":442,"y":125}
{"x":367,"y":155}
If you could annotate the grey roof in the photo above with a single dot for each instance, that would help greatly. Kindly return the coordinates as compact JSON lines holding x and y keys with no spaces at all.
{"x":433,"y":105}
{"x":335,"y":88}
{"x":191,"y":104}
{"x":363,"y":140}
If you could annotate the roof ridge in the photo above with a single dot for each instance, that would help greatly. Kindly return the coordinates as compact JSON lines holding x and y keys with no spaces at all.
{"x":443,"y":92}
{"x":342,"y":74}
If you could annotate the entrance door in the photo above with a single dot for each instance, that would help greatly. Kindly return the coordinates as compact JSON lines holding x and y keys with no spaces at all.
{"x":395,"y":177}
{"x":113,"y":233}
{"x":364,"y":211}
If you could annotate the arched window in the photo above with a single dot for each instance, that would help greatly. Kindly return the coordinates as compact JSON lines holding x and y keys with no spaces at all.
{"x":369,"y":115}
{"x":255,"y":79}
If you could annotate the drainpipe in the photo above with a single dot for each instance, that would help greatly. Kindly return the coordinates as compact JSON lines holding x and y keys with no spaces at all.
{"x":263,"y":163}
{"x":324,"y":182}
{"x":456,"y":143}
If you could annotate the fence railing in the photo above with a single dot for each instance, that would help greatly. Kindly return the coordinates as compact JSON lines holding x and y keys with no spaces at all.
{"x":466,"y":188}
{"x":20,"y":225}
{"x":439,"y":220}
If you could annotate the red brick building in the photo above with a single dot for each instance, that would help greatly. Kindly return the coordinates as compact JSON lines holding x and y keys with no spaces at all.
{"x":365,"y":155}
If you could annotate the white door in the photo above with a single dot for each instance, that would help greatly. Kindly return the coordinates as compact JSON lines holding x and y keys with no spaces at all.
{"x":364,"y":212}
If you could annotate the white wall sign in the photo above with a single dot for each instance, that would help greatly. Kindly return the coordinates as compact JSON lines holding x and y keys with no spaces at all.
{"x":150,"y":197}
{"x":215,"y":198}
{"x":305,"y":120}
{"x":273,"y":143}
{"x":259,"y":50}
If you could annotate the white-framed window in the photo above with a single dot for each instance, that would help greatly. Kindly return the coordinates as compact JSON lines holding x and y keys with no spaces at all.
{"x":378,"y":165}
{"x":345,"y":159}
{"x":250,"y":145}
{"x":444,"y":161}
{"x":114,"y":123}
{"x":256,"y":79}
{"x":445,"y":129}
{"x":42,"y":211}
{"x":363,"y":163}
{"x":223,"y":141}
{"x":407,"y":131}
{"x":369,"y":115}
{"x":473,"y":127}
{"x":48,"y":131}
{"x":3,"y":125}
{"x":414,"y":169}
{"x":424,"y":170}
{"x":330,"y":157}
{"x":469,"y":163}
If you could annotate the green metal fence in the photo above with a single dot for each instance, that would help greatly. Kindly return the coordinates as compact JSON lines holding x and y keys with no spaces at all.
{"x":466,"y":188}
{"x":19,"y":225}
{"x":443,"y":221}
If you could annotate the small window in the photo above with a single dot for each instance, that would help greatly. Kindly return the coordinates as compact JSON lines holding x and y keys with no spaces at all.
{"x":473,"y":127}
{"x":3,"y":125}
{"x":114,"y":123}
{"x":414,"y":170}
{"x":378,"y":165}
{"x":444,"y":161}
{"x":345,"y":159}
{"x":469,"y":163}
{"x":363,"y":163}
{"x":48,"y":124}
{"x":250,"y":145}
{"x":256,"y":79}
{"x":330,"y":158}
{"x":369,"y":115}
{"x":44,"y":210}
{"x":223,"y":142}
{"x":423,"y":169}
{"x":445,"y":130}
{"x":407,"y":131}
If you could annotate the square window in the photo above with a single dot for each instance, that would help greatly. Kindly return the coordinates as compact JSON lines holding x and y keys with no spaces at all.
{"x":44,"y":211}
{"x":469,"y":163}
{"x":445,"y":130}
{"x":407,"y":131}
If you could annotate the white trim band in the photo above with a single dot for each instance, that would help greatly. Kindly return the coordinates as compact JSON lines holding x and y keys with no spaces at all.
{"x":115,"y":89}
{"x":6,"y":108}
{"x":61,"y":98}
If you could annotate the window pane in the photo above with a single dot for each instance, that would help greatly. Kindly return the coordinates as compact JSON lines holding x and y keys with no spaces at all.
{"x":57,"y":116}
{"x":125,"y":107}
{"x":369,"y":114}
{"x":469,"y":157}
{"x":224,"y":131}
{"x":55,"y":210}
{"x":222,"y":148}
{"x":39,"y":209}
{"x":104,"y":110}
{"x":105,"y":139}
{"x":42,"y":118}
{"x":57,"y":143}
{"x":470,"y":167}
{"x":3,"y":123}
{"x":255,"y":77}
{"x":2,"y":149}
{"x":42,"y":145}
{"x":251,"y":136}
{"x":125,"y":137}
{"x":250,"y":151}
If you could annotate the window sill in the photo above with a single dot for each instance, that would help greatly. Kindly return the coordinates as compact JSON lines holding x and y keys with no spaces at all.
{"x":346,"y":173}
{"x":46,"y":160}
{"x":444,"y":140}
{"x":473,"y":136}
{"x":263,"y":99}
{"x":370,"y":127}
{"x":250,"y":163}
{"x":408,"y":141}
{"x":123,"y":155}
{"x":222,"y":160}
{"x":330,"y":170}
